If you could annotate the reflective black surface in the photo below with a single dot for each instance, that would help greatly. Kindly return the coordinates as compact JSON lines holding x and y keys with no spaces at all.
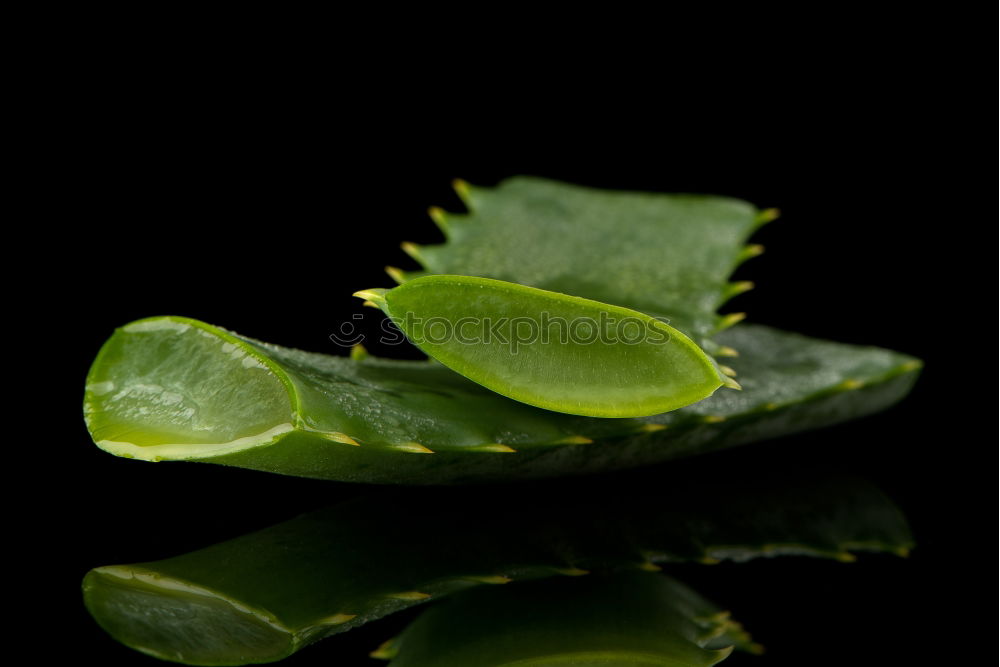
{"x":269,"y":233}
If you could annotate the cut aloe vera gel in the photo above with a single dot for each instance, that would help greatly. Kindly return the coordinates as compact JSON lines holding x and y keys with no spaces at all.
{"x":172,"y":388}
{"x":552,"y":350}
{"x":263,"y":596}
{"x":637,"y":619}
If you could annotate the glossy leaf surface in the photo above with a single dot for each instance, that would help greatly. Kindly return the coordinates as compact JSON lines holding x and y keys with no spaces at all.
{"x":177,"y":389}
{"x":627,"y":620}
{"x":666,"y":255}
{"x":264,"y":595}
{"x":551,"y":350}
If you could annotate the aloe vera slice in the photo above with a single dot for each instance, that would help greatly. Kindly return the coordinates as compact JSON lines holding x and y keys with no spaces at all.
{"x":551,"y":350}
{"x":639,"y":619}
{"x":171,"y":388}
{"x":263,"y":596}
{"x":609,"y":246}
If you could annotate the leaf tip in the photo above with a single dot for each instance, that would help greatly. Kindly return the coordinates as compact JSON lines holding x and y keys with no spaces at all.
{"x":375,"y":296}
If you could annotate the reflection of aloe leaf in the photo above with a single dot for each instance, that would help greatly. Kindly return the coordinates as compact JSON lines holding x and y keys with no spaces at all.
{"x":264,"y":595}
{"x":637,"y":619}
{"x":176,"y":389}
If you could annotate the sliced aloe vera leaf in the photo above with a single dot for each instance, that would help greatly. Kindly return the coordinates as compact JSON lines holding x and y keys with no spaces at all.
{"x":639,"y":619}
{"x":609,"y":246}
{"x":552,"y":350}
{"x":171,"y":388}
{"x":262,"y":596}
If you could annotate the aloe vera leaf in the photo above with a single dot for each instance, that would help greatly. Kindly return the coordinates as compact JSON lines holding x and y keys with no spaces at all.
{"x":669,"y":256}
{"x":638,"y":618}
{"x":171,"y":388}
{"x":263,"y":596}
{"x":551,"y":350}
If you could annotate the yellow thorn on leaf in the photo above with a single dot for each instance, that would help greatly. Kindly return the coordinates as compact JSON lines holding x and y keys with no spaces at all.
{"x":493,"y":447}
{"x":342,"y":438}
{"x":337,"y":619}
{"x":439,"y":217}
{"x":409,"y":595}
{"x":463,"y":191}
{"x":767,"y":215}
{"x":730,"y":382}
{"x":491,"y":579}
{"x":413,"y":447}
{"x":652,"y":428}
{"x":387,"y":650}
{"x":750,"y":251}
{"x":732,"y":289}
{"x":412,"y":249}
{"x":573,"y":572}
{"x":730,"y":319}
{"x":371,"y":296}
{"x":574,"y":440}
{"x":396,"y":274}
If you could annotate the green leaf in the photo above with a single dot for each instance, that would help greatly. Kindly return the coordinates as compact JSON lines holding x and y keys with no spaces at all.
{"x":264,"y":595}
{"x":666,"y":255}
{"x":551,"y":350}
{"x":171,"y":388}
{"x":639,"y":619}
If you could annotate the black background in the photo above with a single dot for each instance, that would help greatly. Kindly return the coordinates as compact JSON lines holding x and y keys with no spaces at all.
{"x":261,"y":206}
